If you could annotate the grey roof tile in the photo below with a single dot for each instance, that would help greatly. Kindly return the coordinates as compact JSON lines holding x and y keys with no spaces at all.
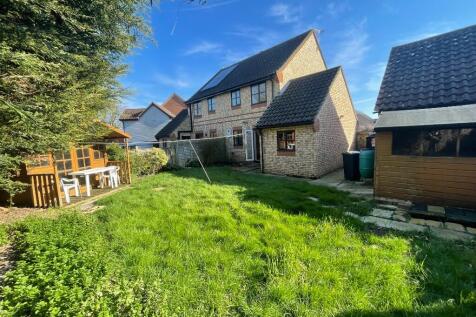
{"x":254,"y":68}
{"x":435,"y":72}
{"x":300,"y":102}
{"x":172,"y":125}
{"x":131,"y":114}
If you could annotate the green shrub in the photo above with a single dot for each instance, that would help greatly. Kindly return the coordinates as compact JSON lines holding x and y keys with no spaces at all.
{"x":148,"y":162}
{"x":64,"y":268}
{"x":115,"y":152}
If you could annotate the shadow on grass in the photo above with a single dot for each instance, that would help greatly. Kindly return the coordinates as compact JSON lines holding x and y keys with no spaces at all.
{"x":448,"y":274}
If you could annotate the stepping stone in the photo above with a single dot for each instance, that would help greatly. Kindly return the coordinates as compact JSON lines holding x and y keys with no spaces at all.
{"x":451,"y":234}
{"x":425,"y":222}
{"x":158,"y":189}
{"x":382,"y":213}
{"x":454,"y":226}
{"x":392,"y":224}
{"x":313,"y":198}
{"x":400,"y":217}
{"x":436,"y":210}
{"x":471,"y":230}
{"x":388,"y":207}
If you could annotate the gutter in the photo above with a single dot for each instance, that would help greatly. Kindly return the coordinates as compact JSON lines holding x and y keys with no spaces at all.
{"x":261,"y":148}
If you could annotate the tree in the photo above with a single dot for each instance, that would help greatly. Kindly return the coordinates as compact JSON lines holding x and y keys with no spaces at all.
{"x":59,"y":63}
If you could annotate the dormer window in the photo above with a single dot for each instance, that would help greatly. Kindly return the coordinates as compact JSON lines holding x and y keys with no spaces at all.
{"x":258,"y":93}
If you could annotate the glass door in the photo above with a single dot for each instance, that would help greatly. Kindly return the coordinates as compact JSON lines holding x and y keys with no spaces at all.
{"x":249,"y":146}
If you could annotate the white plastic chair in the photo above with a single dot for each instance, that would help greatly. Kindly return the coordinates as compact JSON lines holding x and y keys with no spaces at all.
{"x":70,"y":183}
{"x":113,"y":177}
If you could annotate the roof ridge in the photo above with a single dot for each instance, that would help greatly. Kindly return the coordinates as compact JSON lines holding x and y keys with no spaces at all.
{"x":437,"y":36}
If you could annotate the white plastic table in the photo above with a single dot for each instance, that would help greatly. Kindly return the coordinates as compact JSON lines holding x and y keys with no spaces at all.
{"x":91,"y":171}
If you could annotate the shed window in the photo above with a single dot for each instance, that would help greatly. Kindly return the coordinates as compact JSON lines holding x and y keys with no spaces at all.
{"x":235,"y":98}
{"x":211,"y":104}
{"x":63,"y":163}
{"x":286,"y":141}
{"x":258,"y":93}
{"x":237,"y":137}
{"x":39,"y":161}
{"x":434,"y":142}
{"x":98,"y":151}
{"x":82,"y":155}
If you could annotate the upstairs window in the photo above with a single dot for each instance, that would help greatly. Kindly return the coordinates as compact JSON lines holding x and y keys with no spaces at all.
{"x":435,"y":142}
{"x":211,"y":104}
{"x":286,"y":141}
{"x":237,"y":137}
{"x":235,"y":98}
{"x":258,"y":93}
{"x":197,"y":109}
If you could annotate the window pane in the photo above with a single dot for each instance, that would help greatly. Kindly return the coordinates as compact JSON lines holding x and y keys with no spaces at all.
{"x":262,"y":97}
{"x":80,"y":163}
{"x":254,"y":99}
{"x":425,"y":142}
{"x":467,"y":147}
{"x":254,"y":89}
{"x":79,"y":152}
{"x":262,"y":87}
{"x":68,"y":165}
{"x":88,"y":162}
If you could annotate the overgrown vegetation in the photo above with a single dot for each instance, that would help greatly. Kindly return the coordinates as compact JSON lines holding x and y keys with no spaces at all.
{"x":247,"y":245}
{"x":115,"y":152}
{"x":148,"y":162}
{"x":59,"y":63}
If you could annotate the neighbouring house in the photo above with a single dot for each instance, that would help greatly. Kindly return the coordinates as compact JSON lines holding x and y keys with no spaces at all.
{"x":308,"y":126}
{"x":234,"y":99}
{"x":426,"y":130}
{"x":365,"y":131}
{"x":43,"y":172}
{"x":144,"y":123}
{"x":179,"y":128}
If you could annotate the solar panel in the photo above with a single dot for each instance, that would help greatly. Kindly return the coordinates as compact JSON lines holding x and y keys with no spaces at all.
{"x":219,"y":77}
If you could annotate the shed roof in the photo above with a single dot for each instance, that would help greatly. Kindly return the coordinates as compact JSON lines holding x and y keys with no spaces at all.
{"x":136,"y":113}
{"x":300,"y":101}
{"x":439,"y":71}
{"x":431,"y":117}
{"x":252,"y":69}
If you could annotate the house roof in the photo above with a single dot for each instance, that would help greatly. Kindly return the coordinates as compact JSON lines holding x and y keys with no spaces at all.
{"x":442,"y":116}
{"x":136,"y":113}
{"x":252,"y":69}
{"x":300,"y":100}
{"x":131,"y":114}
{"x":174,"y":104}
{"x":172,"y":125}
{"x":439,"y":71}
{"x":364,"y":122}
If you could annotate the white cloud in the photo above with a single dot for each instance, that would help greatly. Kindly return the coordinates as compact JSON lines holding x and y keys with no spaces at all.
{"x":375,"y":76}
{"x":336,"y":8}
{"x":286,"y":13}
{"x":352,"y":48}
{"x":203,"y":47}
{"x":178,"y":81}
{"x":429,"y":30}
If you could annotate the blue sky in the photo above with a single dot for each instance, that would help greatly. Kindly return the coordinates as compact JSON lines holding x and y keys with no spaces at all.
{"x":191,"y":42}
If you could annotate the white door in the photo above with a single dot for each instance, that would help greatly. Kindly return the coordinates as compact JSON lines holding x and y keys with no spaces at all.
{"x":249,"y":145}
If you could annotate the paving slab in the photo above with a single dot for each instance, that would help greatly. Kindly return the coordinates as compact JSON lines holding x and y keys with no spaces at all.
{"x":436,"y":209}
{"x":400,"y":217}
{"x":454,"y":226}
{"x":382,"y":213}
{"x":451,"y":234}
{"x":471,"y":230}
{"x":387,"y":206}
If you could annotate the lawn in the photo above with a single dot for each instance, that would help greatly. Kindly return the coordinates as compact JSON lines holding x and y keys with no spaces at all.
{"x":246,"y":245}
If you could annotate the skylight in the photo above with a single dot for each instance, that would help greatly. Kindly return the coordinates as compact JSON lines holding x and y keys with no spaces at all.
{"x":219,"y":77}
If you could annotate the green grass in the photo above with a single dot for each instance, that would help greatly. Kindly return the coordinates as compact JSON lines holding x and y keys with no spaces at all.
{"x":247,"y":245}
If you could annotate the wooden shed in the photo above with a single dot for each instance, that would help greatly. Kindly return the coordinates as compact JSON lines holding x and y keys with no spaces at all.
{"x":426,"y":130}
{"x":43,"y":172}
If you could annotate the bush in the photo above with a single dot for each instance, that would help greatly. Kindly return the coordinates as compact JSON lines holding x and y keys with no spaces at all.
{"x":115,"y":152}
{"x":148,"y":162}
{"x":64,"y":268}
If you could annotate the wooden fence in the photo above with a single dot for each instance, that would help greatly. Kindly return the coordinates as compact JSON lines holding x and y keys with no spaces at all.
{"x":45,"y":190}
{"x":124,"y":171}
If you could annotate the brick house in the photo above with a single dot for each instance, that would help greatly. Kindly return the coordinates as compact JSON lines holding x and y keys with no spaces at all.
{"x":308,"y":126}
{"x":143,"y":123}
{"x":233,"y":100}
{"x":236,"y":97}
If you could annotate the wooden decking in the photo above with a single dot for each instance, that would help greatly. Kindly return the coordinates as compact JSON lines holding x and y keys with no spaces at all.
{"x":96,"y":194}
